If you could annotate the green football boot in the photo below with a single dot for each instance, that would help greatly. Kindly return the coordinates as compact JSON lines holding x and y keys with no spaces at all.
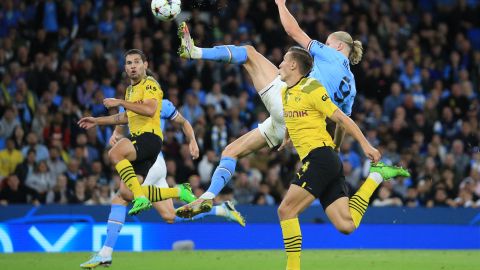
{"x":139,"y":204}
{"x":388,"y":172}
{"x":186,"y":193}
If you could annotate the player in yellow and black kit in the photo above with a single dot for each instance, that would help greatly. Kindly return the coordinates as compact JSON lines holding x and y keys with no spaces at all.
{"x":306,"y":106}
{"x":137,"y":153}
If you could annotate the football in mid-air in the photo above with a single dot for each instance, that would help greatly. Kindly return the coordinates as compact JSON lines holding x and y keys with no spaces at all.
{"x":166,"y":10}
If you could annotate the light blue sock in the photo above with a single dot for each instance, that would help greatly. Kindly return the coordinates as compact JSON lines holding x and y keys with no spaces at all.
{"x":212,"y":212}
{"x":226,"y":53}
{"x":222,"y":175}
{"x":115,"y":223}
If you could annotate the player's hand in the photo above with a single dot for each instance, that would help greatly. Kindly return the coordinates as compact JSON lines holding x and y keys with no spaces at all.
{"x":112,"y":102}
{"x":280,"y":2}
{"x":194,"y":151}
{"x":87,"y":122}
{"x":285,"y":143}
{"x":114,"y":138}
{"x":372,"y":153}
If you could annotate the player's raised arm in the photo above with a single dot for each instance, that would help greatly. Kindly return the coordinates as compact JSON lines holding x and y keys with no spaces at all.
{"x":189,"y":133}
{"x":291,"y":25}
{"x":146,"y":108}
{"x":90,"y":122}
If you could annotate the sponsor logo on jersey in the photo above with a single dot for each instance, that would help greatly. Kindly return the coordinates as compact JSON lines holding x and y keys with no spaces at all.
{"x":292,"y":114}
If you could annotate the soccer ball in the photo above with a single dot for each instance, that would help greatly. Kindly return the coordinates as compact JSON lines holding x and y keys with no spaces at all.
{"x":166,"y":10}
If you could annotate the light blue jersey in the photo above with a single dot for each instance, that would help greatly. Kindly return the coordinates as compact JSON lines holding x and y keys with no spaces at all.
{"x":168,"y":112}
{"x":332,"y":69}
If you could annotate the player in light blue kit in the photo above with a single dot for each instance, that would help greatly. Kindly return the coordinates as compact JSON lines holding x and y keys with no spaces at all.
{"x":157,"y":177}
{"x":331,"y":65}
{"x":331,"y":68}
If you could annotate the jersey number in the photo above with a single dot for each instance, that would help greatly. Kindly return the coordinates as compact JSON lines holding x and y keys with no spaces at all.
{"x":344,"y":90}
{"x":151,"y":87}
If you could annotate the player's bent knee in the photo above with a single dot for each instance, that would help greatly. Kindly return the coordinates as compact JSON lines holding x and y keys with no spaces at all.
{"x":346,"y":227}
{"x":285,"y":211}
{"x":230,"y":151}
{"x":251,"y":51}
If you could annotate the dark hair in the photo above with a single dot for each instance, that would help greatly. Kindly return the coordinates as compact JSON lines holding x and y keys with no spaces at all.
{"x":303,"y":59}
{"x":136,"y":51}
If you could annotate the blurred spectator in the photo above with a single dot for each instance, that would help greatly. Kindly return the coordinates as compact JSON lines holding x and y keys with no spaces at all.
{"x":79,"y":195}
{"x":27,"y":167}
{"x":9,"y":159}
{"x":41,"y":181}
{"x":59,"y":194}
{"x":206,"y":166}
{"x":217,"y":137}
{"x":386,"y":198}
{"x":40,"y":149}
{"x":220,"y":101}
{"x":14,"y":192}
{"x":8,"y":123}
{"x":191,"y":110}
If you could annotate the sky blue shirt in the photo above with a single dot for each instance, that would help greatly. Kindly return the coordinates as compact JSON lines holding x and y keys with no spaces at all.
{"x":332,"y":69}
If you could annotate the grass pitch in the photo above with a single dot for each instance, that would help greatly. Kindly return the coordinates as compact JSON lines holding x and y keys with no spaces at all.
{"x":252,"y":260}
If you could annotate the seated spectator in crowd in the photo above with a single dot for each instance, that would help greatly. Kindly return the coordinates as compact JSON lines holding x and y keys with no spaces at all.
{"x":59,"y":194}
{"x":40,"y":149}
{"x":386,"y":198}
{"x":8,"y":123}
{"x":9,"y":159}
{"x":13,"y":192}
{"x":79,"y":195}
{"x":41,"y":181}
{"x":27,"y":167}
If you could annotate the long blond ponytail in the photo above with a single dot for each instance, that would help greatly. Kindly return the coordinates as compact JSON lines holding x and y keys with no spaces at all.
{"x":356,"y":48}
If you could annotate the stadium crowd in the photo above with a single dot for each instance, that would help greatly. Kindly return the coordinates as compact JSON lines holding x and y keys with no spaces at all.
{"x":418,"y":95}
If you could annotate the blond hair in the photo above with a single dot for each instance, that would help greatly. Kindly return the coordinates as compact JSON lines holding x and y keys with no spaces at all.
{"x":355,"y":46}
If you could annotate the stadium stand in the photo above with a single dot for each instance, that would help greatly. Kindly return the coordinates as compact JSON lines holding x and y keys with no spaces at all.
{"x":418,"y":95}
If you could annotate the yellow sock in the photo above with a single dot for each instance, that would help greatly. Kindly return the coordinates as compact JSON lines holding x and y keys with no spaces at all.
{"x":358,"y":203}
{"x":155,"y":194}
{"x":126,"y":172}
{"x":292,"y":239}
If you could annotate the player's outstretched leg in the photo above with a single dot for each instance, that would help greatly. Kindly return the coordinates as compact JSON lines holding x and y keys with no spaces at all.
{"x":246,"y":144}
{"x":346,"y":214}
{"x":261,"y":70}
{"x":228,"y":53}
{"x":183,"y":192}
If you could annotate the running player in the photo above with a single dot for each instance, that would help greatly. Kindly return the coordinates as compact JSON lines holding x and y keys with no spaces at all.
{"x":306,"y":105}
{"x":156,"y":177}
{"x":137,"y":153}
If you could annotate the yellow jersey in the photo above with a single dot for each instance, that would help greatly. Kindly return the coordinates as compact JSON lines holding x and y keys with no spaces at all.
{"x":147,"y":88}
{"x":306,"y":106}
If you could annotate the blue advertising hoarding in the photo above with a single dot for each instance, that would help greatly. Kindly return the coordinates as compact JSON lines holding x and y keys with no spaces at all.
{"x":83,"y":228}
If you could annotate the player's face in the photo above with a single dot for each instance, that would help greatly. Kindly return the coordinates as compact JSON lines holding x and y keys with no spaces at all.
{"x":332,"y":42}
{"x":135,"y":67}
{"x":286,"y":66}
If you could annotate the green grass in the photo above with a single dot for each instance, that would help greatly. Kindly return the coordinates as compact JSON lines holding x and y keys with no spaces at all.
{"x":252,"y":260}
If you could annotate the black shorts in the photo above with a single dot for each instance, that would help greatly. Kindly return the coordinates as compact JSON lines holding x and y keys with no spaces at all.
{"x":148,"y":146}
{"x":322,"y":176}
